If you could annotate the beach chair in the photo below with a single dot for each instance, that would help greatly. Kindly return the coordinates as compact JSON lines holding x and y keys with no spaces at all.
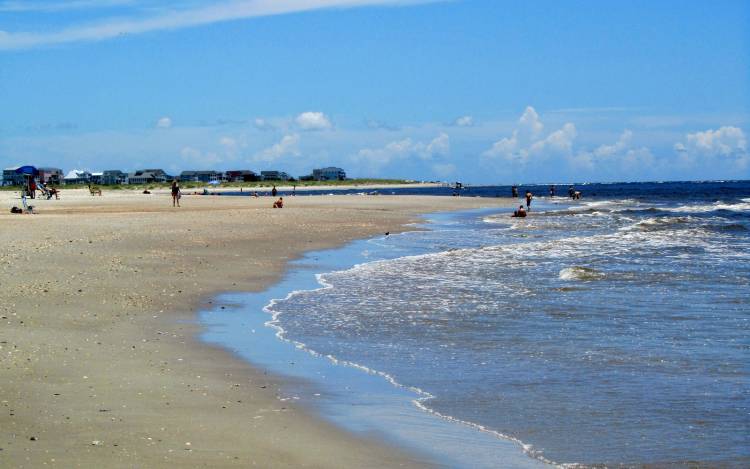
{"x":44,"y":190}
{"x":95,"y":191}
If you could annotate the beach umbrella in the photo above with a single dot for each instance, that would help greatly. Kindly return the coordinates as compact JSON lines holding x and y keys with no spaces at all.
{"x":27,"y":171}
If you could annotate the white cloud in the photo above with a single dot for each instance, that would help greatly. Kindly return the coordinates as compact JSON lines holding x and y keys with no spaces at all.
{"x":228,"y":142}
{"x":194,"y":157}
{"x":375,"y":158}
{"x":529,"y":123}
{"x":728,"y":143}
{"x":164,"y":123}
{"x":559,"y":142}
{"x":380,"y":125}
{"x":444,"y":169}
{"x":230,"y":147}
{"x":526,"y":142}
{"x":288,"y":146}
{"x":622,"y":155}
{"x":464,"y":121}
{"x":440,"y":145}
{"x":262,"y":124}
{"x":177,"y":16}
{"x":605,"y":151}
{"x":313,"y":121}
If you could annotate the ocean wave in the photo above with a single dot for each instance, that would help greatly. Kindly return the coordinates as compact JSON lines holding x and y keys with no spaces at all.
{"x":658,"y":223}
{"x":422,"y":396}
{"x":703,"y":208}
{"x":575,"y":211}
{"x":609,"y":203}
{"x":580,"y":273}
{"x":728,"y":227}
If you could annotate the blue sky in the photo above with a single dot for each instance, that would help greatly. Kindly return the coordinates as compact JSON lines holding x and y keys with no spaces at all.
{"x":472,"y":90}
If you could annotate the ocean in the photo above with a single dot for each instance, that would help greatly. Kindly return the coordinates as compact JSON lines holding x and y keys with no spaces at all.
{"x":608,"y":331}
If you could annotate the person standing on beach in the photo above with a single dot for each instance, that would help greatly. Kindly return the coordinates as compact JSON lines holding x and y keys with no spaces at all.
{"x":514,"y":191}
{"x":175,"y":193}
{"x":274,"y":191}
{"x":552,"y":191}
{"x":529,"y":196}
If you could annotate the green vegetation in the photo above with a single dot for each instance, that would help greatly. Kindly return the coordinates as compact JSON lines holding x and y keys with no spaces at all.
{"x":348,"y":182}
{"x":196,"y":185}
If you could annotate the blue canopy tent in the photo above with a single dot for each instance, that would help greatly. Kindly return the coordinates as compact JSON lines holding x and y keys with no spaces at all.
{"x":27,"y":171}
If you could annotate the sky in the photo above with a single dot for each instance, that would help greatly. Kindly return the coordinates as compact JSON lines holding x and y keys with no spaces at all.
{"x":478,"y":91}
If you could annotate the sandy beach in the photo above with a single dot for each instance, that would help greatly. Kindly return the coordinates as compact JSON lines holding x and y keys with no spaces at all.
{"x":99,"y":362}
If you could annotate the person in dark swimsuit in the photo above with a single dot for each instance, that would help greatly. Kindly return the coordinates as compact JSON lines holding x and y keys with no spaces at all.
{"x":175,"y":193}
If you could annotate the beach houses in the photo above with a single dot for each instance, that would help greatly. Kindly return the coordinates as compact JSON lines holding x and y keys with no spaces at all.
{"x":77,"y":176}
{"x":329,"y":174}
{"x":113,"y":176}
{"x":46,"y":175}
{"x":274,"y":176}
{"x":241,"y":175}
{"x":97,"y":177}
{"x":148,"y":176}
{"x":10,"y":178}
{"x":201,"y":176}
{"x":51,"y":175}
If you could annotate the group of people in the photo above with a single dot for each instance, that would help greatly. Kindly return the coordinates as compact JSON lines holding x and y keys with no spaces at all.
{"x":177,"y":194}
{"x":522,"y":212}
{"x":32,"y":185}
{"x":573,"y":193}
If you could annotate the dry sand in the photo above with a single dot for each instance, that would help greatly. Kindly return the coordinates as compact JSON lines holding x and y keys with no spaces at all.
{"x":99,"y":362}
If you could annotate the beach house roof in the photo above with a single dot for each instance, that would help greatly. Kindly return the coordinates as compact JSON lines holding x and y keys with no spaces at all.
{"x":77,"y":174}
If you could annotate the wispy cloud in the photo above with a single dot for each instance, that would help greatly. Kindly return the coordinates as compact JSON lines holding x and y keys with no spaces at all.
{"x":594,"y":110}
{"x":288,"y":146}
{"x":464,"y":121}
{"x":375,"y":159}
{"x":51,"y":7}
{"x":164,"y":123}
{"x":171,"y":18}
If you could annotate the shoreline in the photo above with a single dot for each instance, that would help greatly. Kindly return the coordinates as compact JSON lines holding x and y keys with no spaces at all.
{"x":351,"y":394}
{"x":102,"y":359}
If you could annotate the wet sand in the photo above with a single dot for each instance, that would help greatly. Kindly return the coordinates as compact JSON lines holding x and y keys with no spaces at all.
{"x":99,"y":361}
